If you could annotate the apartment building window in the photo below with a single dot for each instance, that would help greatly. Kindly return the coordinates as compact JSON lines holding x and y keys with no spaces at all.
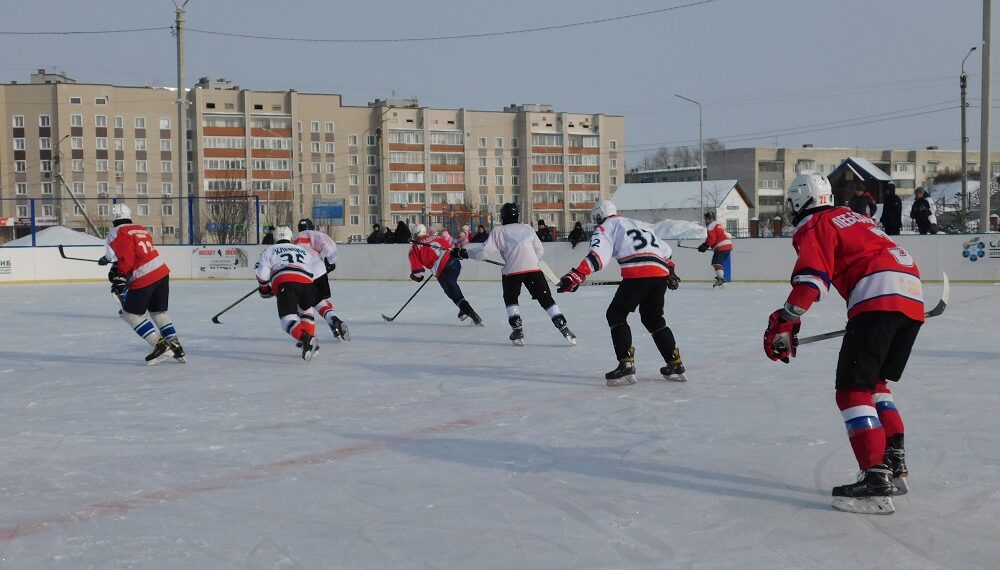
{"x":316,"y":167}
{"x":406,"y":137}
{"x":499,"y":162}
{"x":119,"y":122}
{"x":164,"y":123}
{"x":513,"y":142}
{"x":167,"y":188}
{"x":314,"y":147}
{"x":317,"y":188}
{"x":166,"y":145}
{"x":102,"y":143}
{"x":372,"y":160}
{"x":102,"y":165}
{"x":141,"y":166}
{"x":142,"y":189}
{"x":18,"y":144}
{"x":45,"y":143}
{"x":76,"y":100}
{"x":331,"y":168}
{"x":614,"y":163}
{"x":373,"y":179}
{"x":352,"y":140}
{"x":101,"y":101}
{"x":372,"y":220}
{"x":355,"y":219}
{"x":48,"y":210}
{"x":140,"y":144}
{"x":614,"y":181}
{"x":352,"y":160}
{"x":140,"y":122}
{"x":482,"y":142}
{"x":547,"y":178}
{"x":167,"y":209}
{"x":541,"y":139}
{"x":77,"y":165}
{"x":46,"y":165}
{"x":21,"y":189}
{"x":515,"y":180}
{"x":515,"y":161}
{"x":143,"y":210}
{"x":547,"y":159}
{"x":104,"y":210}
{"x":168,"y":231}
{"x":44,"y":121}
{"x":482,"y":180}
{"x":329,"y":126}
{"x":22,"y":211}
{"x":119,"y":188}
{"x":18,"y":121}
{"x":371,"y":140}
{"x":331,"y":188}
{"x":584,"y":141}
{"x":482,"y":162}
{"x":166,"y":166}
{"x":76,"y":120}
{"x":447,"y":178}
{"x":20,"y":166}
{"x":100,"y":120}
{"x":329,"y":148}
{"x":449,"y":138}
{"x":353,"y":180}
{"x":119,"y":144}
{"x":499,"y":199}
{"x":499,"y":180}
{"x":314,"y":126}
{"x":77,"y":210}
{"x":584,"y":159}
{"x":484,"y":199}
{"x":46,"y":188}
{"x":373,"y":200}
{"x":355,"y":200}
{"x":76,"y":143}
{"x":407,"y":198}
{"x":498,"y":142}
{"x":406,"y":177}
{"x":612,"y":145}
{"x":119,"y":166}
{"x":78,"y":188}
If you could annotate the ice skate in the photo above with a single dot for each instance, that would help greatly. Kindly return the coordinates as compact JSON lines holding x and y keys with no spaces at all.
{"x":517,"y":332}
{"x":339,"y":329}
{"x":871,"y":495}
{"x":625,"y":373}
{"x":461,"y":315}
{"x":309,"y":346}
{"x":560,"y":322}
{"x":177,"y":350}
{"x":719,"y":282}
{"x":159,"y":353}
{"x":895,"y":459}
{"x":466,"y":309}
{"x":674,"y":370}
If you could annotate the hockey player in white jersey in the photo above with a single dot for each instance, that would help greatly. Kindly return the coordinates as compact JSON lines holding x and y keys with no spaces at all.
{"x":647,"y":272}
{"x":326,"y":249}
{"x":520,"y":249}
{"x":288,"y":270}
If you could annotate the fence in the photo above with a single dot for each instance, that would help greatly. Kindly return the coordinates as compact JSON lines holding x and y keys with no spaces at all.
{"x":217,"y":220}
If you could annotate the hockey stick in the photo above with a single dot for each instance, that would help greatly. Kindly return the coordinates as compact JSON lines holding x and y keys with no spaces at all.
{"x":439,"y":248}
{"x":937,"y":310}
{"x":679,"y":244}
{"x":392,"y":318}
{"x":548,"y":273}
{"x":215,"y":319}
{"x":62,"y":252}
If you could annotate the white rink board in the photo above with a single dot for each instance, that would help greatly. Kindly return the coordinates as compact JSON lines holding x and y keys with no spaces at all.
{"x":766,"y":259}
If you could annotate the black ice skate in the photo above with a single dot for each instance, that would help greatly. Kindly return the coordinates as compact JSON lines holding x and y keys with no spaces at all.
{"x":517,"y":330}
{"x":674,"y":370}
{"x":719,"y":282}
{"x":871,"y":495}
{"x":895,"y":459}
{"x":339,"y":329}
{"x":560,"y":322}
{"x":461,"y":315}
{"x":309,"y":346}
{"x":177,"y":350}
{"x":466,"y":309}
{"x":159,"y":353}
{"x":625,"y":373}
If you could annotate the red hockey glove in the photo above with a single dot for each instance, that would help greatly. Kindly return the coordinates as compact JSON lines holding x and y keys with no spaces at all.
{"x":781,"y":337}
{"x":571,"y":281}
{"x":265,"y":291}
{"x":418,"y":277}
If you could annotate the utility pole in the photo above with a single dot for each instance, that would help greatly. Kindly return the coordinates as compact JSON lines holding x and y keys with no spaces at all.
{"x":701,"y":160}
{"x":181,"y":151}
{"x":963,"y":84}
{"x":985,"y":169}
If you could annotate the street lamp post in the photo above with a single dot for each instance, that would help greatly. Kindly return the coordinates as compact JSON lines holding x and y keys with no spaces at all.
{"x":963,"y":83}
{"x":701,"y":152}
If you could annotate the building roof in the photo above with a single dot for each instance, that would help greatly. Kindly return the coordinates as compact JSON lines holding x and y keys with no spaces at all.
{"x":674,"y":195}
{"x":862,"y":168}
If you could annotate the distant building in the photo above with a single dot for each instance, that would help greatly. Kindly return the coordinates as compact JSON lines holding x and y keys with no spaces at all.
{"x":656,"y":201}
{"x":853,"y":172}
{"x":678,"y":174}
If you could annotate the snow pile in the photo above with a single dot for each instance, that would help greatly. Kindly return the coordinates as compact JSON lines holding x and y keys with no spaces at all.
{"x":679,"y":229}
{"x":56,"y":235}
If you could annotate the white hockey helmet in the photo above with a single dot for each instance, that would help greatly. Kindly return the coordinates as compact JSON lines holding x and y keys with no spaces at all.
{"x":120,"y":211}
{"x":603,"y":210}
{"x":809,"y":190}
{"x":282,"y":234}
{"x":419,"y":230}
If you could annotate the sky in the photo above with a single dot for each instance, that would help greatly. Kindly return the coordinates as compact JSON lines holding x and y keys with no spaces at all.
{"x":767,"y":72}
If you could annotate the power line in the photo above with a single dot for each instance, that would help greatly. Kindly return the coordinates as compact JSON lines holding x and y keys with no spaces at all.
{"x":85,"y":32}
{"x":452,"y":37}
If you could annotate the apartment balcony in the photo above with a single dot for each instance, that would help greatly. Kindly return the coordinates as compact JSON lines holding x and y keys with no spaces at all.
{"x":406,"y":207}
{"x":223,"y":132}
{"x":447,"y":168}
{"x":547,"y":205}
{"x":405,"y":167}
{"x":581,"y":206}
{"x":275,"y":133}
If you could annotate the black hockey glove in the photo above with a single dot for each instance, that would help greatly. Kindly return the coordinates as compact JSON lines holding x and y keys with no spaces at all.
{"x":673,"y":280}
{"x":103,"y":261}
{"x":119,"y":281}
{"x":330,"y":266}
{"x":460,"y":253}
{"x":703,"y":248}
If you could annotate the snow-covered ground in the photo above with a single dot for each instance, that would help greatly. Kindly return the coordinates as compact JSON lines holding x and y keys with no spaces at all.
{"x":426,"y":443}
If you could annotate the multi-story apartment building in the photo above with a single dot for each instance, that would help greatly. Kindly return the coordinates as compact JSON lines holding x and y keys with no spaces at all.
{"x":301,"y":155}
{"x":765,"y":173}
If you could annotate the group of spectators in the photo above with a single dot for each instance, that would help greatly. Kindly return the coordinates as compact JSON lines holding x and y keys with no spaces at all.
{"x":465,"y":235}
{"x":922,"y":212}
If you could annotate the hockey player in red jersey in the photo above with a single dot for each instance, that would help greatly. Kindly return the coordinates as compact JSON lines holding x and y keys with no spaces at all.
{"x":885,"y":310}
{"x":287,"y":270}
{"x":434,"y":253}
{"x":520,"y":249}
{"x":721,"y":244}
{"x":647,"y":272}
{"x":326,"y":249}
{"x":141,"y":280}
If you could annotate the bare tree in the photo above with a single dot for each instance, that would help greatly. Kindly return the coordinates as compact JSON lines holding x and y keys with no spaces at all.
{"x":229,"y":215}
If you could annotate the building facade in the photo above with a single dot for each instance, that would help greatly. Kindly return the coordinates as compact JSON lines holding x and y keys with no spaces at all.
{"x":298,"y":154}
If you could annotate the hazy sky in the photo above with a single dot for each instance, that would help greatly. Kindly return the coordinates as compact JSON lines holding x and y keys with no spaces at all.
{"x":757,"y":65}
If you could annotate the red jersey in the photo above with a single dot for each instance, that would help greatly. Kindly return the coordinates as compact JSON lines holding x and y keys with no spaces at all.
{"x":426,"y":256}
{"x":718,"y":238}
{"x":846,"y":249}
{"x":131,"y":247}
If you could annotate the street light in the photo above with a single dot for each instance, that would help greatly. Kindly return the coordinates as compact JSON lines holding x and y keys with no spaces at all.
{"x":701,"y":160}
{"x":965,"y":139}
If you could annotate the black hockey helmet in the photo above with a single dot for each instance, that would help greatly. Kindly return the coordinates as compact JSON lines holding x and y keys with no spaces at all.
{"x":306,"y":224}
{"x":510,"y":213}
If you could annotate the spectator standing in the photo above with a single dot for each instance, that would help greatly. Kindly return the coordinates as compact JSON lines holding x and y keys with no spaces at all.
{"x":862,"y":202}
{"x":481,"y":235}
{"x":402,"y":234}
{"x":543,"y":233}
{"x":268,"y":238}
{"x":577,"y":235}
{"x":376,"y":235}
{"x":923,"y":212}
{"x":892,"y":211}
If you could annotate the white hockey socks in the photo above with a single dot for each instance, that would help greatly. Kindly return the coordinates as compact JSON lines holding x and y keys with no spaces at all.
{"x":142,"y":327}
{"x":553,"y":311}
{"x":162,"y":321}
{"x":513,"y":311}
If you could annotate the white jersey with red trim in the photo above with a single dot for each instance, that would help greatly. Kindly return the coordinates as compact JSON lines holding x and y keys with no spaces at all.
{"x":517,"y":244}
{"x":322,"y":244}
{"x":288,"y":263}
{"x":633,"y":243}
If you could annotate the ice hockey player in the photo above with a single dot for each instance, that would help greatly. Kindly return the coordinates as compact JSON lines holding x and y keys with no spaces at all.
{"x":885,"y":310}
{"x":647,"y":272}
{"x":520,"y":249}
{"x":326,"y":249}
{"x":141,"y":281}
{"x":287,"y":270}
{"x":434,"y":253}
{"x":721,"y":244}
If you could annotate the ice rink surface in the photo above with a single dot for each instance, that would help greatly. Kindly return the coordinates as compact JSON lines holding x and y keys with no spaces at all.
{"x":428,"y":443}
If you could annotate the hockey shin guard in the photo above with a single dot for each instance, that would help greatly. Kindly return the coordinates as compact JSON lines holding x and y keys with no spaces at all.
{"x":142,"y":327}
{"x":863,"y":426}
{"x":892,"y":422}
{"x":295,"y":326}
{"x":553,"y":310}
{"x":621,"y":338}
{"x":513,"y":311}
{"x":665,"y":342}
{"x":308,"y":321}
{"x":162,"y":321}
{"x":325,"y":310}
